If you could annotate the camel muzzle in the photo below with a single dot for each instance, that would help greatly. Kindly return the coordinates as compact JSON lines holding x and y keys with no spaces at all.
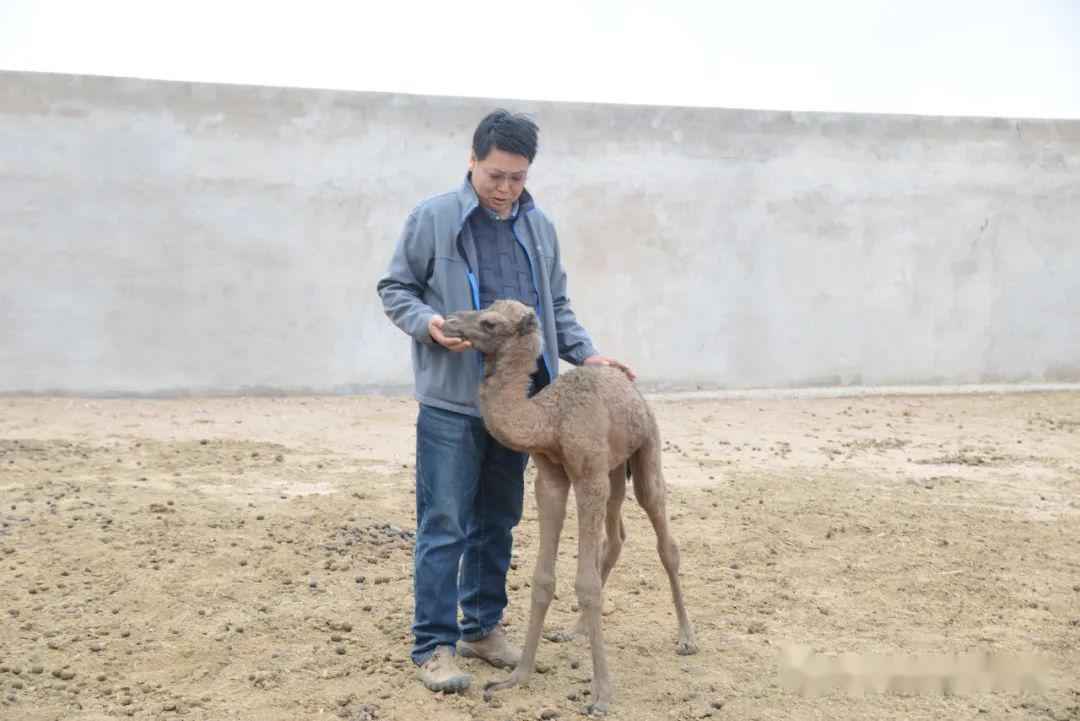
{"x":455,"y":323}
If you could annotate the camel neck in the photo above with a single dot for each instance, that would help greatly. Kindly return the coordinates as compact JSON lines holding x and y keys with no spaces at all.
{"x":511,"y":416}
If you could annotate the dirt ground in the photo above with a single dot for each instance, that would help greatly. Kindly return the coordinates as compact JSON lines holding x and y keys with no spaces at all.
{"x":250,"y":559}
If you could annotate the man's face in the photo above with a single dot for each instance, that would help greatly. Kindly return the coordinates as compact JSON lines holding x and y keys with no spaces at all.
{"x":499,"y":179}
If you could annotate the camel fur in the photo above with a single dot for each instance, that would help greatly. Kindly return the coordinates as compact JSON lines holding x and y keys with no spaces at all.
{"x":581,"y":431}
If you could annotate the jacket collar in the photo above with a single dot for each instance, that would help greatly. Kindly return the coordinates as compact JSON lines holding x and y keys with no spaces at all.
{"x":468,"y":201}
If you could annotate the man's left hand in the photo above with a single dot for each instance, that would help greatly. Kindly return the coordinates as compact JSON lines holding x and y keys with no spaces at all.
{"x":600,"y":360}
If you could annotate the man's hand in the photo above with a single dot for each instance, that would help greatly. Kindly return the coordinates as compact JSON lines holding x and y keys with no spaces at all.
{"x":599,"y":360}
{"x":456,"y":345}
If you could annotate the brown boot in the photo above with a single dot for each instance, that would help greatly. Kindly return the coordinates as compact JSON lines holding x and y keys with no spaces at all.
{"x":493,"y":648}
{"x":440,"y":672}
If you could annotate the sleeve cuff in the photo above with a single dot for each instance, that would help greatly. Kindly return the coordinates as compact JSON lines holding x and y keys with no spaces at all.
{"x":422,"y":334}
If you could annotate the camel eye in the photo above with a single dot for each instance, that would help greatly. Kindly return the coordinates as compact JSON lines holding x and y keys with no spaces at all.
{"x":487,"y":324}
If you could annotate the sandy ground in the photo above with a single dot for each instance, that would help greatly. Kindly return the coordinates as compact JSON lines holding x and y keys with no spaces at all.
{"x":251,"y":559}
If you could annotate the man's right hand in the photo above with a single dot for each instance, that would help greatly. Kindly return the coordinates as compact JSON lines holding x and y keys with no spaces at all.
{"x":456,"y":345}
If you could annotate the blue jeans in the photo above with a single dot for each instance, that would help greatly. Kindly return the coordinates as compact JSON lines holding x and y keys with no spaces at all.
{"x":469,"y":493}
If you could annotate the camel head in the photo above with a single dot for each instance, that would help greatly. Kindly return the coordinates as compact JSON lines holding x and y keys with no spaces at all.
{"x":496,"y":327}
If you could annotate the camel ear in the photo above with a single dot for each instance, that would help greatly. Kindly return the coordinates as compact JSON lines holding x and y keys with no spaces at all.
{"x":528,"y":324}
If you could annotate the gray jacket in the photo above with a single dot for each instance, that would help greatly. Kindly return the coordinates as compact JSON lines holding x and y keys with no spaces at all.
{"x":433,"y":271}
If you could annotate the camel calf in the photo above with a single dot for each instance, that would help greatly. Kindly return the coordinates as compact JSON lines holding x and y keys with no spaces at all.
{"x":581,"y":431}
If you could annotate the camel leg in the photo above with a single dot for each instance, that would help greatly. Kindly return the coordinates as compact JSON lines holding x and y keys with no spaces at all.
{"x":614,"y":538}
{"x":552,"y":489}
{"x":650,"y":490}
{"x":615,"y":533}
{"x":592,"y":504}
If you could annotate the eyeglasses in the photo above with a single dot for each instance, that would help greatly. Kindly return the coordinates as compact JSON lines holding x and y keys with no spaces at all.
{"x":497,"y":177}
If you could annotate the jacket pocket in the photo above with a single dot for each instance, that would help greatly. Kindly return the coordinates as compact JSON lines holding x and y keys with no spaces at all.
{"x":449,"y":286}
{"x":548,"y":262}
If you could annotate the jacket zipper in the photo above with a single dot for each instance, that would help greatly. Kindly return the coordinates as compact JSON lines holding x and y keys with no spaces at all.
{"x":536,"y":287}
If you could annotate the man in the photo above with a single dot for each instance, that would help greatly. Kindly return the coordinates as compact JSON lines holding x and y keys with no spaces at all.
{"x":463,"y":250}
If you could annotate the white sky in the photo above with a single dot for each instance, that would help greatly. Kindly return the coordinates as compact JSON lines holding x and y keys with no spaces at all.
{"x":1018,"y":58}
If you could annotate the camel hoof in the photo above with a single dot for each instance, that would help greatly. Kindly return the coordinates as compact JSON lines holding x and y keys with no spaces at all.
{"x":686,"y":648}
{"x":492,"y":686}
{"x":489,"y":690}
{"x":596,"y":709}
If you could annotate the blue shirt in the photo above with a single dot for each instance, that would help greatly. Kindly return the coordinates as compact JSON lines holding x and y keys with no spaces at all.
{"x":503,"y":265}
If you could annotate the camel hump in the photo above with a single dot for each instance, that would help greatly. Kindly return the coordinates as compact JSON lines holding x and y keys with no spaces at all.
{"x":600,"y":405}
{"x":603,"y":380}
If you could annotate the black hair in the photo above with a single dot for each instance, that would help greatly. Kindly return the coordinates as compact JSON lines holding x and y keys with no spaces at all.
{"x":509,"y":132}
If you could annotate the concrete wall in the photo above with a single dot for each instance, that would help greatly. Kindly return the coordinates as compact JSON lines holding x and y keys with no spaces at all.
{"x":172,"y":237}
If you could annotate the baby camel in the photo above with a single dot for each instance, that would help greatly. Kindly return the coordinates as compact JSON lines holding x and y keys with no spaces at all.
{"x":581,"y":431}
